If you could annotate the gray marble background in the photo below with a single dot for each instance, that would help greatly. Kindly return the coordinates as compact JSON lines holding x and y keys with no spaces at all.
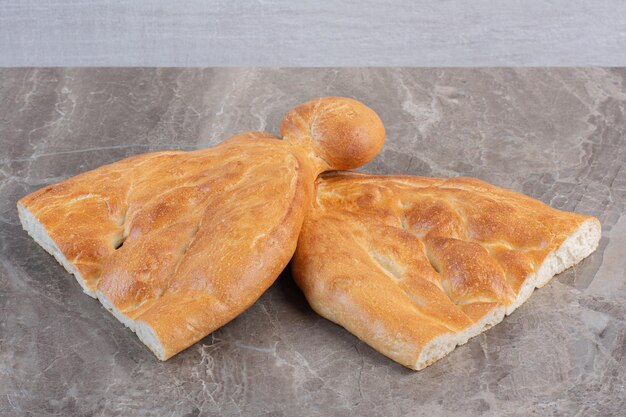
{"x":312,"y":33}
{"x":555,"y":134}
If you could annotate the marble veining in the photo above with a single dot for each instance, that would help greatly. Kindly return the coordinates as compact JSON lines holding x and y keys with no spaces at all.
{"x":555,"y":134}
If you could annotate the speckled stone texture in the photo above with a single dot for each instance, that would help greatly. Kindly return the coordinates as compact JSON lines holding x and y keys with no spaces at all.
{"x":555,"y":134}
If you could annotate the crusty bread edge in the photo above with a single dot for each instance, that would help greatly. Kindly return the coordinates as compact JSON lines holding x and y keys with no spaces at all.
{"x":144,"y":332}
{"x":580,"y":244}
{"x":574,"y":249}
{"x":38,"y":232}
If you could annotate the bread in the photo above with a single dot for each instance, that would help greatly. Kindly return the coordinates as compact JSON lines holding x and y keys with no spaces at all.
{"x":176,"y":244}
{"x":416,"y":266}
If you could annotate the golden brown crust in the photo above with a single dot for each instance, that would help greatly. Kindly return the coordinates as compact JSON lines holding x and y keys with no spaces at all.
{"x":185,"y":241}
{"x":400,"y":261}
{"x":342,"y":132}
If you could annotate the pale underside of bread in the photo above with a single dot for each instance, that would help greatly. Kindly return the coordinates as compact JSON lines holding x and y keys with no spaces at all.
{"x":380,"y":256}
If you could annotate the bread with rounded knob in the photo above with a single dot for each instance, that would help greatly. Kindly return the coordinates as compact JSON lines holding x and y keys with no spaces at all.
{"x":176,"y":244}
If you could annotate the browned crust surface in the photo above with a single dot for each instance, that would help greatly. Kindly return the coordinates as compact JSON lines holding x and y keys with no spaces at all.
{"x":401,"y":260}
{"x":183,"y":241}
{"x":186,"y":241}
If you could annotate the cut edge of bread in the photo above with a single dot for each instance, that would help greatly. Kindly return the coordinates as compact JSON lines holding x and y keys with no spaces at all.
{"x":38,"y":232}
{"x":580,"y":244}
{"x":574,"y":249}
{"x":143,"y":330}
{"x":440,"y":346}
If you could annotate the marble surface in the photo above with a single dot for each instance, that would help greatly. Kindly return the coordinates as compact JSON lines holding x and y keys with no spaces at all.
{"x":555,"y":134}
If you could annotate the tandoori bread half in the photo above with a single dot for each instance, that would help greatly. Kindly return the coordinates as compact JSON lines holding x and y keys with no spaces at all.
{"x":176,"y":244}
{"x":416,"y":266}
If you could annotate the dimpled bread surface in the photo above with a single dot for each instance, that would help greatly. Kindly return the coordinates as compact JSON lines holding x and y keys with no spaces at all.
{"x":176,"y":244}
{"x":416,"y":266}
